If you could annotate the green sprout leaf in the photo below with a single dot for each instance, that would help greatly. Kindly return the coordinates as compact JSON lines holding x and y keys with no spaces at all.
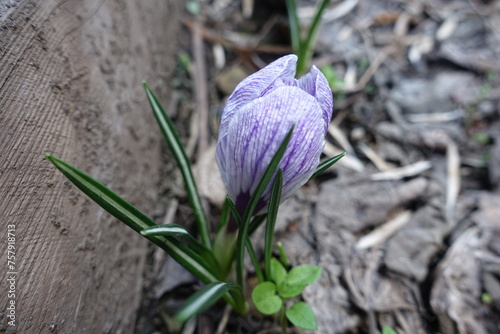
{"x":167,"y":229}
{"x":128,"y":214}
{"x":282,"y":253}
{"x":203,"y":299}
{"x":388,"y":330}
{"x":297,"y":279}
{"x":248,"y":243}
{"x":293,"y":19}
{"x":193,"y":7}
{"x":265,"y":298}
{"x":274,"y":204}
{"x":482,"y":138}
{"x":268,"y":175}
{"x":174,"y":230}
{"x":303,"y":47}
{"x":174,"y":143}
{"x":256,"y":222}
{"x":486,"y":298}
{"x":330,"y":75}
{"x":225,"y":215}
{"x":322,"y":167}
{"x":135,"y":219}
{"x":278,"y":272}
{"x":301,"y":315}
{"x":225,"y":242}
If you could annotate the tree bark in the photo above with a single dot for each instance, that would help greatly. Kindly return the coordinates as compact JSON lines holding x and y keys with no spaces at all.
{"x":70,"y":85}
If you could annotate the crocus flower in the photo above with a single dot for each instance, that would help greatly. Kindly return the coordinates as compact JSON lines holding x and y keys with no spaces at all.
{"x":257,"y":117}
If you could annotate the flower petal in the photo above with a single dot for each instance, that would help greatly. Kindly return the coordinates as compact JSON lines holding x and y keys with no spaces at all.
{"x":255,"y":132}
{"x":253,"y":86}
{"x":316,"y":84}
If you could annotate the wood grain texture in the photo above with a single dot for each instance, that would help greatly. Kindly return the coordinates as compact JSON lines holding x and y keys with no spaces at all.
{"x":70,"y":85}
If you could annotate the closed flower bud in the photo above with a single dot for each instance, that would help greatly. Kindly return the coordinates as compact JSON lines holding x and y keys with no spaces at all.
{"x":257,"y":117}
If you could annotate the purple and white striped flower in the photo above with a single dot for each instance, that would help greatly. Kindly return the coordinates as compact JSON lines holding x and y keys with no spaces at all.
{"x":256,"y":119}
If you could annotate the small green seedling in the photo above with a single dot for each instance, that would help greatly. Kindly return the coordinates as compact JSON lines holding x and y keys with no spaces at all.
{"x":388,"y":330}
{"x":269,"y":297}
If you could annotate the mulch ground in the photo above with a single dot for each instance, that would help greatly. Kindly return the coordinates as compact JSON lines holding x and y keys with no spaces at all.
{"x":407,"y":226}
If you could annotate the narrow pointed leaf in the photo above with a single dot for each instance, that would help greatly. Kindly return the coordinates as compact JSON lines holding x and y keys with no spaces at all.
{"x":301,"y":315}
{"x":248,"y":242}
{"x":388,"y":330}
{"x":167,"y":230}
{"x":306,"y":46}
{"x":254,"y":259}
{"x":203,"y":299}
{"x":225,"y":214}
{"x":223,"y":250}
{"x":293,"y":20}
{"x":266,"y":178}
{"x":252,"y":204}
{"x":282,"y":253}
{"x":315,"y":24}
{"x":322,"y":167}
{"x":274,"y":203}
{"x":135,"y":219}
{"x":256,"y":222}
{"x":175,"y":145}
{"x":174,"y":230}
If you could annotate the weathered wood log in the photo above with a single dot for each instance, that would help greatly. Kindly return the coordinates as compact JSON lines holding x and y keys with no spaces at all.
{"x":70,"y":85}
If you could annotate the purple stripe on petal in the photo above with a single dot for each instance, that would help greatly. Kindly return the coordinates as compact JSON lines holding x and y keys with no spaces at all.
{"x":255,"y":133}
{"x":256,"y":119}
{"x":252,"y":87}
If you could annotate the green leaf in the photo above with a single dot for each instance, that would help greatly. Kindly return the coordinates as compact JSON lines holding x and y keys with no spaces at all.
{"x":266,"y":178}
{"x":174,"y":230}
{"x":274,"y":204}
{"x":306,"y":45}
{"x":174,"y":143}
{"x":233,"y":210}
{"x":282,"y":253}
{"x":256,"y":222}
{"x":301,"y":315}
{"x":388,"y":330}
{"x":293,"y":20}
{"x":193,"y":7}
{"x":166,"y":230}
{"x":251,"y":251}
{"x":486,"y":298}
{"x":322,"y":167}
{"x":223,"y":250}
{"x":297,"y":279}
{"x":278,"y":272}
{"x":203,"y":299}
{"x":252,"y":204}
{"x":135,"y":219}
{"x":265,"y":298}
{"x":330,"y":75}
{"x":225,"y":214}
{"x":254,"y":259}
